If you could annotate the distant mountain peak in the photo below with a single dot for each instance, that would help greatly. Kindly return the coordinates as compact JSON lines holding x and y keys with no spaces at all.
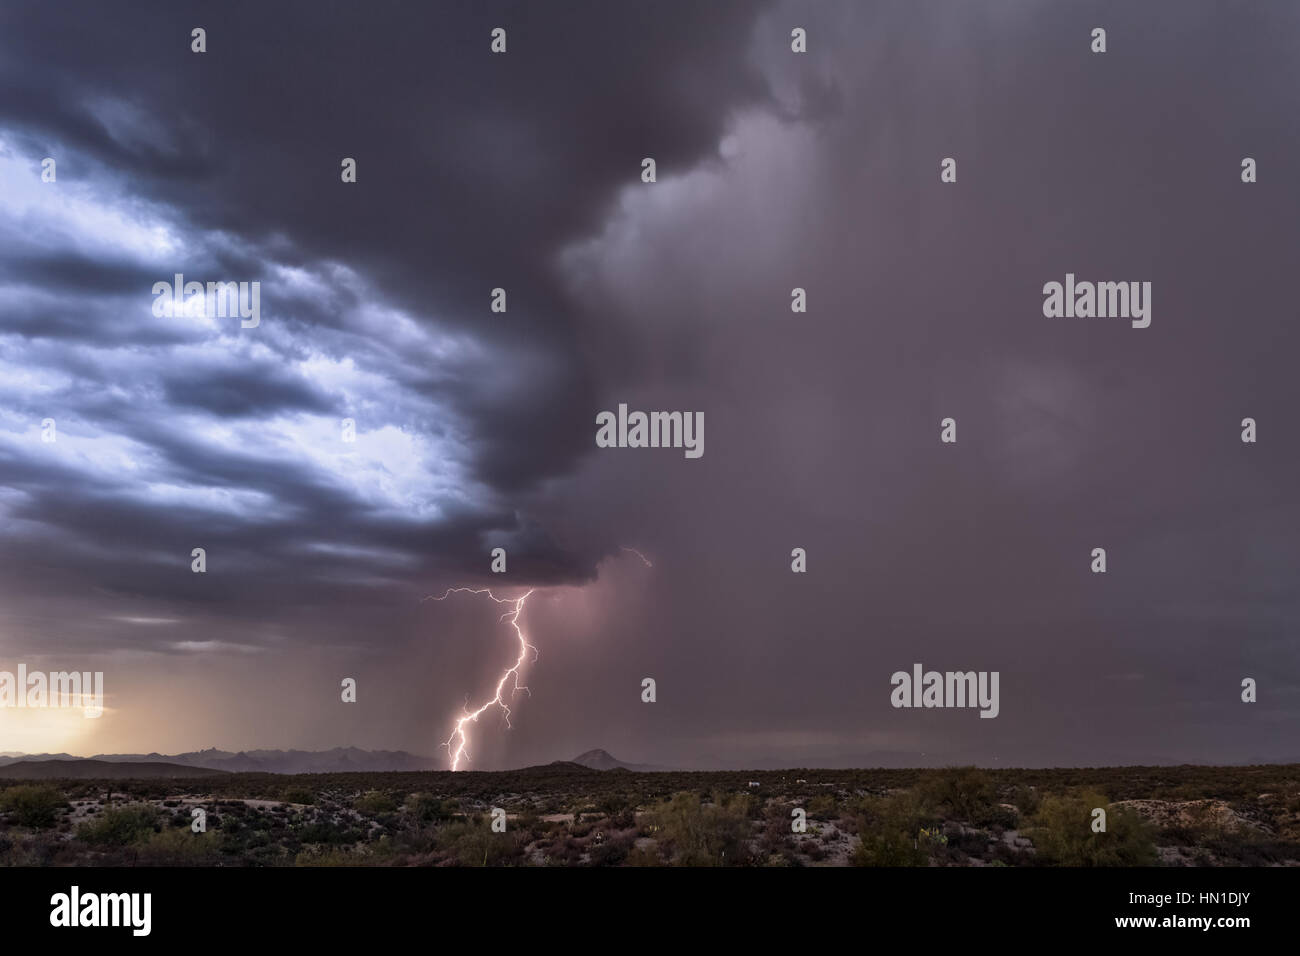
{"x":603,"y":760}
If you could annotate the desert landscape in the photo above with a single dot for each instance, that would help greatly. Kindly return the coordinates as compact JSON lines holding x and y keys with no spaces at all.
{"x":570,"y":814}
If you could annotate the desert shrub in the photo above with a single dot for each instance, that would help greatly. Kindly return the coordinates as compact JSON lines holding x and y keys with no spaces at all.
{"x":1025,"y":799}
{"x":888,"y":828}
{"x":643,"y":856}
{"x":624,"y":819}
{"x":474,"y":844}
{"x":775,"y":836}
{"x":703,"y":834}
{"x":611,"y":803}
{"x":177,"y":847}
{"x":822,"y":807}
{"x":1063,"y":836}
{"x":888,"y":848}
{"x":739,"y":803}
{"x":961,"y":793}
{"x":36,"y":849}
{"x":120,"y":826}
{"x":611,"y":852}
{"x":320,"y":832}
{"x":33,"y":806}
{"x":428,"y":808}
{"x":374,"y":802}
{"x":329,"y":856}
{"x":298,"y":795}
{"x":1253,"y":849}
{"x":1006,"y":818}
{"x":901,"y":810}
{"x":619,"y":809}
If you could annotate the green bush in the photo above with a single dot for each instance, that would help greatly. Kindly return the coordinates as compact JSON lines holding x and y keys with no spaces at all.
{"x":375,"y":802}
{"x":474,"y":844}
{"x":32,"y":806}
{"x":888,"y":828}
{"x":889,"y":848}
{"x":428,"y":808}
{"x":315,"y":856}
{"x":181,"y":847}
{"x":703,"y":834}
{"x":1025,"y":799}
{"x":1063,"y":836}
{"x":822,"y":807}
{"x":120,"y":826}
{"x":319,"y":831}
{"x":964,"y":793}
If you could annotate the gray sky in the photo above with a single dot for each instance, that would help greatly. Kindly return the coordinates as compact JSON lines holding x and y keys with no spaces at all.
{"x":476,"y":430}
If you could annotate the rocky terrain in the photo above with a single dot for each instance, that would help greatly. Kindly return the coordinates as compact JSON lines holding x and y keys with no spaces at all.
{"x":567,"y":814}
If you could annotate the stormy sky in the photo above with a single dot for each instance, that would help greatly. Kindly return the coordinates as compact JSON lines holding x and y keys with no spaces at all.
{"x":475,"y":429}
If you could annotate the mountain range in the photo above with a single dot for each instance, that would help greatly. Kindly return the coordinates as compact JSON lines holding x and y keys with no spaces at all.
{"x":337,"y":760}
{"x":86,"y":769}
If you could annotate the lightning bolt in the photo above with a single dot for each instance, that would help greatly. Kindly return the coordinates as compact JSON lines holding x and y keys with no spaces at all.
{"x":639,"y":555}
{"x":458,"y":743}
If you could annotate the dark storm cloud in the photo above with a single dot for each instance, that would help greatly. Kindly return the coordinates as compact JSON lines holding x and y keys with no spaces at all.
{"x":925,"y":302}
{"x":474,"y":171}
{"x":74,"y":273}
{"x":241,"y":391}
